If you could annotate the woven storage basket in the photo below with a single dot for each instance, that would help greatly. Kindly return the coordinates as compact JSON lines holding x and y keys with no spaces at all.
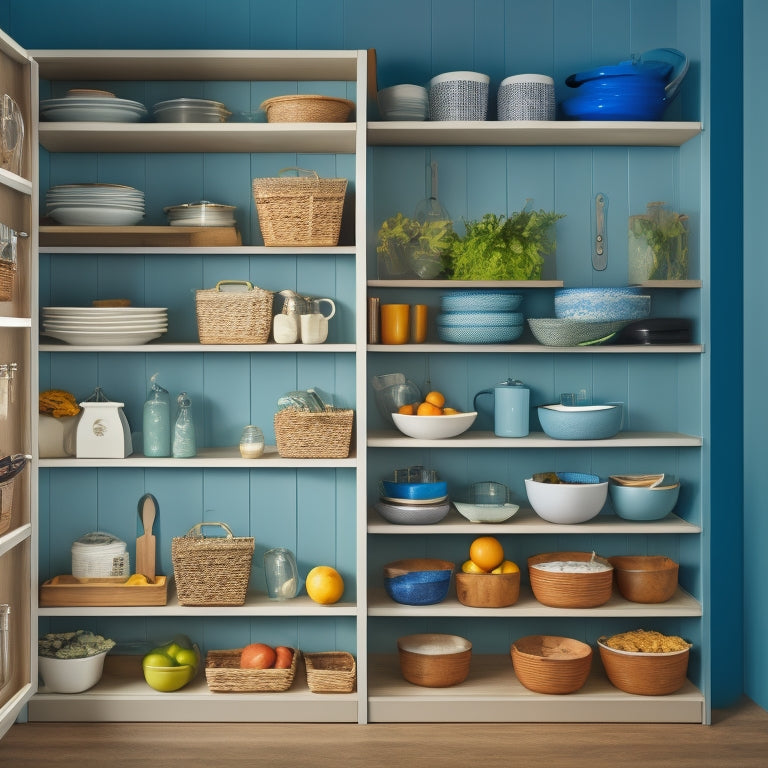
{"x":301,"y":210}
{"x":7,"y":272}
{"x":223,"y":674}
{"x":307,"y":108}
{"x":647,"y":674}
{"x":214,"y":570}
{"x":10,"y":466}
{"x":307,"y":435}
{"x":331,"y":672}
{"x":234,"y":317}
{"x":570,"y":590}
{"x":550,"y":664}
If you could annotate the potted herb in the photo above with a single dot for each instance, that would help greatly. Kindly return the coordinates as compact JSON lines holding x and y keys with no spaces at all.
{"x":395,"y":235}
{"x":410,"y":246}
{"x":71,"y":662}
{"x":658,"y":245}
{"x":504,"y":247}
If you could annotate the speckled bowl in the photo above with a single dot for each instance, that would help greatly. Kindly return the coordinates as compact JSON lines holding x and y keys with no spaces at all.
{"x":602,"y":304}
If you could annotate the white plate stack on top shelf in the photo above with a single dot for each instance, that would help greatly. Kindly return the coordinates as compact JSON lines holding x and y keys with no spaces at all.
{"x":94,"y":326}
{"x":100,"y":205}
{"x":90,"y":105}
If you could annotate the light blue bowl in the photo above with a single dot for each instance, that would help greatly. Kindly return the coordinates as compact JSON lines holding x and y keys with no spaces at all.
{"x":492,"y":334}
{"x":414,"y":491}
{"x":641,"y":504}
{"x":588,"y":422}
{"x":489,"y":300}
{"x":481,"y":319}
{"x":602,"y":304}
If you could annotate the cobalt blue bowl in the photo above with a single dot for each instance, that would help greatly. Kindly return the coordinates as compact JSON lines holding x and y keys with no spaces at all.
{"x":418,"y":581}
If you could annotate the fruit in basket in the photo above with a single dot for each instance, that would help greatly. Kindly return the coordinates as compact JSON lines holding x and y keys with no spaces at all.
{"x":486,"y":552}
{"x":257,"y":656}
{"x":506,"y":567}
{"x":324,"y":585}
{"x":469,"y":567}
{"x":283,"y":657}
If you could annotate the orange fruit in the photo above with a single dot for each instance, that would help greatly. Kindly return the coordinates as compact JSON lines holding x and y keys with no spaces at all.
{"x":506,"y":567}
{"x":486,"y":552}
{"x":435,"y":398}
{"x":428,"y":409}
{"x":450,"y":411}
{"x":406,"y":410}
{"x":324,"y":585}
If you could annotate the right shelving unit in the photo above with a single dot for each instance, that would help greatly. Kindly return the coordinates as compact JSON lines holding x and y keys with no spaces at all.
{"x":665,"y":428}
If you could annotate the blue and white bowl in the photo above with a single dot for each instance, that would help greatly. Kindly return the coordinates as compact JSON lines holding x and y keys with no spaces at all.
{"x":479,"y":334}
{"x":602,"y":304}
{"x":587,"y":422}
{"x":493,"y":300}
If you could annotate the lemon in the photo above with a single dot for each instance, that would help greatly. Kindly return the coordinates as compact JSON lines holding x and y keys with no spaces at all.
{"x":137,"y":579}
{"x":470,"y":567}
{"x":506,"y":567}
{"x":324,"y":585}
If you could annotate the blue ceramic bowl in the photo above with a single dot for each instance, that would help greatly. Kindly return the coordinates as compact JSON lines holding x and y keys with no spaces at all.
{"x":587,"y":422}
{"x":601,"y":304}
{"x":418,"y":581}
{"x":414,"y":491}
{"x":640,"y":504}
{"x":487,"y":300}
{"x":491,"y":334}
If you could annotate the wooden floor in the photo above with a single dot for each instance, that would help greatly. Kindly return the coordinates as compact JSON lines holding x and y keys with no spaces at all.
{"x":738,"y":738}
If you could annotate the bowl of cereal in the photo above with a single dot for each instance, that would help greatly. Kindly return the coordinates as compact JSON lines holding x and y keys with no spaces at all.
{"x":643,"y":662}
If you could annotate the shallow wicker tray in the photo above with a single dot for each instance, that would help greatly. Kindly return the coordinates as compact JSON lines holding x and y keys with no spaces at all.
{"x":66,"y":591}
{"x":331,"y":672}
{"x":223,"y":674}
{"x":307,"y":108}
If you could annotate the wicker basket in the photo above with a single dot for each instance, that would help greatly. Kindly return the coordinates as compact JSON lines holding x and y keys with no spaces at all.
{"x":7,"y":273}
{"x":550,"y":664}
{"x":331,"y":672}
{"x":570,"y":590}
{"x":10,"y":467}
{"x":307,"y":108}
{"x":299,"y":211}
{"x":223,"y":674}
{"x":646,"y":674}
{"x":214,"y":570}
{"x":234,"y":317}
{"x":307,"y":435}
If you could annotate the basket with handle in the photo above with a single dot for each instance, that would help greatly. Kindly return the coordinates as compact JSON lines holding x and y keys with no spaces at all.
{"x":211,"y":570}
{"x":301,"y":210}
{"x":330,"y":672}
{"x":313,"y":435}
{"x":226,"y":316}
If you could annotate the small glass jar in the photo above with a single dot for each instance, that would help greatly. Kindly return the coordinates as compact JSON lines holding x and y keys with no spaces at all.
{"x":281,"y":574}
{"x":251,"y":442}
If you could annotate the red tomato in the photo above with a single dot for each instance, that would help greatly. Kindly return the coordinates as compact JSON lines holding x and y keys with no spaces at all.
{"x":284,"y":657}
{"x":257,"y":656}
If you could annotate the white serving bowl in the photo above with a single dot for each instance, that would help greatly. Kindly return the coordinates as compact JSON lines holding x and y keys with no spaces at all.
{"x":486,"y":513}
{"x":70,"y":675}
{"x":434,"y":427}
{"x":566,"y":503}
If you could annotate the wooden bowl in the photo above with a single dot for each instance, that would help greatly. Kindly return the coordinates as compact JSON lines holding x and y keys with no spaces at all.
{"x":570,"y":590}
{"x":646,"y":674}
{"x":487,"y":590}
{"x":434,"y":660}
{"x":551,"y":664}
{"x":645,"y":578}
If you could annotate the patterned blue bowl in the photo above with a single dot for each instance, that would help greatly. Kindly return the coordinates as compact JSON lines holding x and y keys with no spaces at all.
{"x":602,"y":304}
{"x":484,"y":319}
{"x":490,"y":300}
{"x":419,"y":581}
{"x":493,"y":334}
{"x":589,"y":422}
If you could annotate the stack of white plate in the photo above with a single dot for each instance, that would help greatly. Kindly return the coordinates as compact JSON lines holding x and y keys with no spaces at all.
{"x":201,"y":214}
{"x":100,"y":205}
{"x":404,"y":102}
{"x":94,"y":326}
{"x":100,"y":555}
{"x":190,"y":111}
{"x":92,"y":105}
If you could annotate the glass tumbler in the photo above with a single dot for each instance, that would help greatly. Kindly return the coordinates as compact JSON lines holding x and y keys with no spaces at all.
{"x":282,"y":574}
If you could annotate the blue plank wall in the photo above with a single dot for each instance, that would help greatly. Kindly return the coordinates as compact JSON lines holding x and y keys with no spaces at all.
{"x":415,"y":39}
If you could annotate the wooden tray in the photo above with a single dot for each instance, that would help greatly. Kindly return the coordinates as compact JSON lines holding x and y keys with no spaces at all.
{"x":66,"y":591}
{"x":138,"y":236}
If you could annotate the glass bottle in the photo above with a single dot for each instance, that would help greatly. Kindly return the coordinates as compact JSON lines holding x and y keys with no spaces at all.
{"x":157,"y":421}
{"x":281,"y":573}
{"x":184,"y":446}
{"x":251,"y":442}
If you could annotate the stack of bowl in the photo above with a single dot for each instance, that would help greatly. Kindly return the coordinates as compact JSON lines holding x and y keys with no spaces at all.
{"x":404,"y":102}
{"x":421,"y":501}
{"x":201,"y":214}
{"x":480,"y":317}
{"x":190,"y":111}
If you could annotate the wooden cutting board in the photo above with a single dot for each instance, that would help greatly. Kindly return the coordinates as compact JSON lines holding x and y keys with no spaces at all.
{"x":145,"y":544}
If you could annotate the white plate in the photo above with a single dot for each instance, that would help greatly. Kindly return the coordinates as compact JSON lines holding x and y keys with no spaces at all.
{"x":414,"y":502}
{"x":97,"y":217}
{"x":104,"y":310}
{"x":71,"y":325}
{"x":94,"y":338}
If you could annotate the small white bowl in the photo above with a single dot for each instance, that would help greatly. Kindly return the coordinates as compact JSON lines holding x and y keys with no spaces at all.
{"x":70,"y":675}
{"x":434,"y":427}
{"x":566,"y":503}
{"x":486,"y":513}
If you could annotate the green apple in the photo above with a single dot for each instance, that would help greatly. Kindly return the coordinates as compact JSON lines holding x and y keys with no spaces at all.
{"x":159,"y":659}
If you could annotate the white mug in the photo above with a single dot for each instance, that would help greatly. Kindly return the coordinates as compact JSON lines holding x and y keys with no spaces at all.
{"x":314,"y":328}
{"x":314,"y":305}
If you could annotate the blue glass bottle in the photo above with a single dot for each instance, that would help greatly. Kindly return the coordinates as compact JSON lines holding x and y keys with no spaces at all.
{"x":157,"y":421}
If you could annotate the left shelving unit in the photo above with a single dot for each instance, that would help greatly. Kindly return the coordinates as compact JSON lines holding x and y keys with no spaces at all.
{"x":18,"y":344}
{"x":309,"y":505}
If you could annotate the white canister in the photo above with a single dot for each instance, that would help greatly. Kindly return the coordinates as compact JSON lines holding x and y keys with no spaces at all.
{"x":103,"y":431}
{"x":526,"y":97}
{"x":285,"y":329}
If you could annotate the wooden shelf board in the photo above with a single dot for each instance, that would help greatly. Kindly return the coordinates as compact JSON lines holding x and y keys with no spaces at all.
{"x":196,"y":347}
{"x":122,"y":695}
{"x":138,"y":236}
{"x":526,"y":521}
{"x":15,"y":182}
{"x":198,"y":137}
{"x":206,"y":457}
{"x":201,"y":250}
{"x":492,"y":693}
{"x":465,"y":284}
{"x":486,"y":439}
{"x":681,"y":604}
{"x":533,"y":133}
{"x":538,"y":349}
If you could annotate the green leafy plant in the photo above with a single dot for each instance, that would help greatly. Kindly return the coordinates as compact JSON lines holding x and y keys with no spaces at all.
{"x":504,"y":247}
{"x":73,"y":645}
{"x":658,"y":245}
{"x":407,"y":244}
